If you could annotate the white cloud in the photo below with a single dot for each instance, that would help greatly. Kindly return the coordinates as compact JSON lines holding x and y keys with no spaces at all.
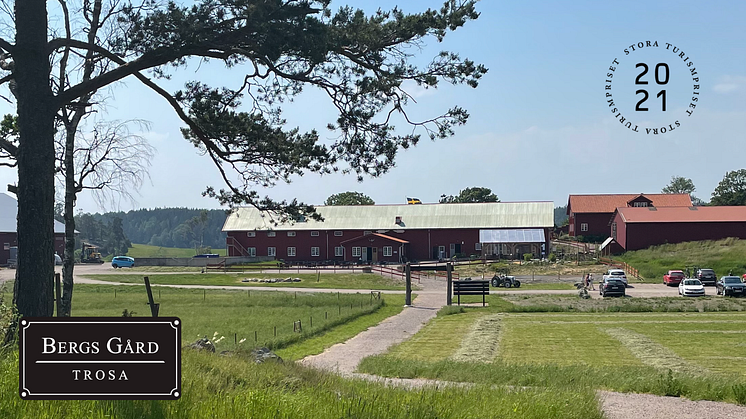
{"x":727,"y":84}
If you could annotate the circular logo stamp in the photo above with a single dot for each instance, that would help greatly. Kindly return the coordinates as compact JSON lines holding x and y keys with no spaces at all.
{"x":652,"y":88}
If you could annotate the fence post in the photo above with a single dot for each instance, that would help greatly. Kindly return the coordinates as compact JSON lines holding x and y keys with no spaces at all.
{"x":153,"y":306}
{"x":408,"y":272}
{"x":449,"y":284}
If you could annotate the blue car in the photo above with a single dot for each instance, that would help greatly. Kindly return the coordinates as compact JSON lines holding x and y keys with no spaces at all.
{"x":122,"y":262}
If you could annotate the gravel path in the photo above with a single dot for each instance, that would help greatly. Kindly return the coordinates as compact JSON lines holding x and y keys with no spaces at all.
{"x":343,"y":358}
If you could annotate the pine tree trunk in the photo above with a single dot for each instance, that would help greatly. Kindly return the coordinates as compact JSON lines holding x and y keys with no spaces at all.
{"x":69,"y":260}
{"x":33,"y":292}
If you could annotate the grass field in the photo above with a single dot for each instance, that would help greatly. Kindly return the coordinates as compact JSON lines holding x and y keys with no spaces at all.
{"x":723,"y":256}
{"x":704,"y":352}
{"x":342,"y":281}
{"x":147,"y":251}
{"x":231,"y":387}
{"x":225,"y":387}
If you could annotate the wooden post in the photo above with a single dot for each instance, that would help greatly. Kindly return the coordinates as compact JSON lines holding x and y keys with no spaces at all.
{"x":57,"y":287}
{"x":408,"y":272}
{"x":153,"y":306}
{"x":449,"y":285}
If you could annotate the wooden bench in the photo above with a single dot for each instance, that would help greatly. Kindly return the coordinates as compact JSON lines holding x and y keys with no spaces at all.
{"x":471,"y":288}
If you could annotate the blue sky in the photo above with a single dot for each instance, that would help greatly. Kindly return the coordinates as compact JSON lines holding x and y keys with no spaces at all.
{"x":540,"y":127}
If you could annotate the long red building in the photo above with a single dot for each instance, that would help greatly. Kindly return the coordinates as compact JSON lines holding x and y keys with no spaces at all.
{"x":394,"y":233}
{"x":640,"y":228}
{"x":589,"y":215}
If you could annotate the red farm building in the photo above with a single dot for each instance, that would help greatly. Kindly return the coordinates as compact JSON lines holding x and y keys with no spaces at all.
{"x":589,"y":215}
{"x":8,"y":235}
{"x":640,"y":228}
{"x":394,"y":233}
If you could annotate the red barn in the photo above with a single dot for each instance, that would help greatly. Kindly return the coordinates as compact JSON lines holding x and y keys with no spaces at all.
{"x":589,"y":215}
{"x":640,"y":228}
{"x":8,"y":223}
{"x":394,"y":233}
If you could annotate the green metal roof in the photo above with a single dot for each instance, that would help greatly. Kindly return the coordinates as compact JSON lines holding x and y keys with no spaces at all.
{"x":423,"y":216}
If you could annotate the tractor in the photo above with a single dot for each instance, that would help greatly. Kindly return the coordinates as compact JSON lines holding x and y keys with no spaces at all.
{"x":90,"y":254}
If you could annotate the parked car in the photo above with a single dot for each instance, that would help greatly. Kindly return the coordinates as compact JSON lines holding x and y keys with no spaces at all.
{"x":612,"y":286}
{"x":616,"y":273}
{"x":673,"y":277}
{"x":122,"y":262}
{"x":730,"y":285}
{"x":691,"y":287}
{"x":707,"y":276}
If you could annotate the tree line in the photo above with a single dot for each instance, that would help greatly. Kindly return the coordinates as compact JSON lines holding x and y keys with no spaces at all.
{"x":165,"y":227}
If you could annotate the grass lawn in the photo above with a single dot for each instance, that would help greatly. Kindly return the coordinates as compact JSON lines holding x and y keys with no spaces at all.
{"x":147,"y":251}
{"x":233,"y":315}
{"x":342,"y":281}
{"x":617,"y":351}
{"x":723,"y":256}
{"x":231,"y":387}
{"x":226,"y":387}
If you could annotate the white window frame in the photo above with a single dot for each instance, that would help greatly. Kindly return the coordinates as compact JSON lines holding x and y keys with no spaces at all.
{"x":271,"y":233}
{"x":388,"y":251}
{"x":251,"y":234}
{"x":314,"y":234}
{"x":477,"y":246}
{"x":357,"y":252}
{"x":291,"y":251}
{"x":315,"y":251}
{"x":338,"y":233}
{"x":638,"y":204}
{"x":252,"y":251}
{"x":583,"y":226}
{"x":339,"y":251}
{"x":291,"y":233}
{"x":441,"y":249}
{"x":271,"y":251}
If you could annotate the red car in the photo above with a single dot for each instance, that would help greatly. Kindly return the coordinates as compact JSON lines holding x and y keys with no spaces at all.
{"x":673,"y":278}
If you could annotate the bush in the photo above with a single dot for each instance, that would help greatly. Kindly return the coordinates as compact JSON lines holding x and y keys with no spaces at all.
{"x":552,"y":257}
{"x":528,"y":256}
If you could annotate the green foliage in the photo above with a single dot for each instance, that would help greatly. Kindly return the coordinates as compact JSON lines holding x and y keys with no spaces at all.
{"x":527,"y":257}
{"x":679,"y":185}
{"x":671,"y":385}
{"x":349,"y":198}
{"x":476,"y":194}
{"x":560,"y":216}
{"x":739,"y":391}
{"x":731,"y":190}
{"x":552,"y":257}
{"x":108,"y":235}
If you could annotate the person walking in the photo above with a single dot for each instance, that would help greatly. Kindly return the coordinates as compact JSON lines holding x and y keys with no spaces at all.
{"x":590,"y":281}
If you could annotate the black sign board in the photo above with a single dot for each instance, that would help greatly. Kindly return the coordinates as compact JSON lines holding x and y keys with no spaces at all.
{"x":100,"y":358}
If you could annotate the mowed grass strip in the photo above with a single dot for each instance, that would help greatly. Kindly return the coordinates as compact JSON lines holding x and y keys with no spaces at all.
{"x":439,"y":339}
{"x":652,"y":353}
{"x":325,"y":280}
{"x":532,"y":340}
{"x":482,"y":342}
{"x":148,"y":251}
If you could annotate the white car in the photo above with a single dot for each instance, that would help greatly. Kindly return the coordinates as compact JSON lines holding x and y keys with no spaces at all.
{"x":690,"y":287}
{"x":618,"y":274}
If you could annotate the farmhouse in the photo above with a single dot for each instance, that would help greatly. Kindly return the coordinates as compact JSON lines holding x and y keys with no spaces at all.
{"x":8,"y":223}
{"x":640,"y":228}
{"x":395,"y":233}
{"x":589,"y":215}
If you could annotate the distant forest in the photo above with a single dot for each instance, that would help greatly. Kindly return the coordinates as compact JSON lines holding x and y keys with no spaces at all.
{"x":166,"y":227}
{"x":560,"y":215}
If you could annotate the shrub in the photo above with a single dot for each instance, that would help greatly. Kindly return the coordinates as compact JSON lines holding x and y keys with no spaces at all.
{"x":552,"y":257}
{"x":528,"y":256}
